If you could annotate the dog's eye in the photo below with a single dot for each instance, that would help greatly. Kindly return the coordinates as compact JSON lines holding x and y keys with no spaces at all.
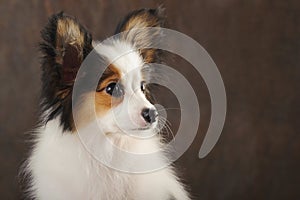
{"x":143,"y":86}
{"x":114,"y":90}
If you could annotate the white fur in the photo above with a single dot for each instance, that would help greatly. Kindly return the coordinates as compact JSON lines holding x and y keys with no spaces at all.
{"x":61,"y":168}
{"x":129,"y":63}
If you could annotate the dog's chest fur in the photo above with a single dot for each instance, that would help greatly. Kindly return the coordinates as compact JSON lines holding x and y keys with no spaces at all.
{"x":61,"y":168}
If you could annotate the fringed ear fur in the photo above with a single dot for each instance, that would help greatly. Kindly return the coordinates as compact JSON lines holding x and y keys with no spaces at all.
{"x":65,"y":44}
{"x":132,"y":26}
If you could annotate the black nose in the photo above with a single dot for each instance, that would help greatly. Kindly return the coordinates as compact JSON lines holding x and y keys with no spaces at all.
{"x":149,"y":115}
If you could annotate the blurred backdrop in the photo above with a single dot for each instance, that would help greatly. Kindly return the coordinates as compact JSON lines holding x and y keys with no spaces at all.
{"x":256,"y":46}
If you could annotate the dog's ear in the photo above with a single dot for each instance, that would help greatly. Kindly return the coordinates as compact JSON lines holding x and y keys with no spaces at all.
{"x":133,"y":27}
{"x":65,"y":45}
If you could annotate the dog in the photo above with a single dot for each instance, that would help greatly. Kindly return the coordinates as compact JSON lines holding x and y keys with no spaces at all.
{"x":60,"y":165}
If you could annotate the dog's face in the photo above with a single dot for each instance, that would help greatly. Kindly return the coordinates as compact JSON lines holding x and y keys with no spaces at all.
{"x":120,"y":99}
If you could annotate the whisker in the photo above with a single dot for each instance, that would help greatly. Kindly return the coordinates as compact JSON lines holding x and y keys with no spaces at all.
{"x":164,"y":125}
{"x":171,"y":109}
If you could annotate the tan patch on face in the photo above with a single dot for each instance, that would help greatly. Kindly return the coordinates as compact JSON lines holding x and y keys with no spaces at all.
{"x":102,"y":101}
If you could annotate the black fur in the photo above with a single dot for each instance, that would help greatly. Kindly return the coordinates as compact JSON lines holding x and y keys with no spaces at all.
{"x":56,"y":92}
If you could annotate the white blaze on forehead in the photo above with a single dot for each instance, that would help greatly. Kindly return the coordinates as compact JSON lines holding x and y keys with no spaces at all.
{"x":123,"y":55}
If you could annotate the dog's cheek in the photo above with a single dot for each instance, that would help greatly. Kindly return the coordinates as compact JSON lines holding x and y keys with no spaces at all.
{"x":92,"y":105}
{"x":104,"y":103}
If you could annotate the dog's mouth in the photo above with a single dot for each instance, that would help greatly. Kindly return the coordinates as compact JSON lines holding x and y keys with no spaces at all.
{"x":143,"y":132}
{"x":142,"y":128}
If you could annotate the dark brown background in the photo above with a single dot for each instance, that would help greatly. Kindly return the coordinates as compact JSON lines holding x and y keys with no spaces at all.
{"x":255,"y":44}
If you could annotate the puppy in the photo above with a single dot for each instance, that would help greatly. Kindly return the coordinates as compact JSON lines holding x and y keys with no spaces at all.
{"x":72,"y":158}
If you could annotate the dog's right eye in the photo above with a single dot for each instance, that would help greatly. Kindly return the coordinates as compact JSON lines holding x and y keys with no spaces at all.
{"x":114,"y":90}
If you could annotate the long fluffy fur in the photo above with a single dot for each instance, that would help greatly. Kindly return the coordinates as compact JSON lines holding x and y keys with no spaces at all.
{"x":57,"y":77}
{"x":59,"y":166}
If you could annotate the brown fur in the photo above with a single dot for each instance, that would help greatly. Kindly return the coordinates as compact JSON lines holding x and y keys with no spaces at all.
{"x":141,"y":21}
{"x":69,"y":44}
{"x":141,"y":38}
{"x":103,"y":102}
{"x":65,"y":45}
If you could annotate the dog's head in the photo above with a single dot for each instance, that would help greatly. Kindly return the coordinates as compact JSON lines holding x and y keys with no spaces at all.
{"x":121,"y":98}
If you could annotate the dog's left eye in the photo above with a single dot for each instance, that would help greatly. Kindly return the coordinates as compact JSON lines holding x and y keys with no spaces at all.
{"x":114,"y":90}
{"x":143,"y":86}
